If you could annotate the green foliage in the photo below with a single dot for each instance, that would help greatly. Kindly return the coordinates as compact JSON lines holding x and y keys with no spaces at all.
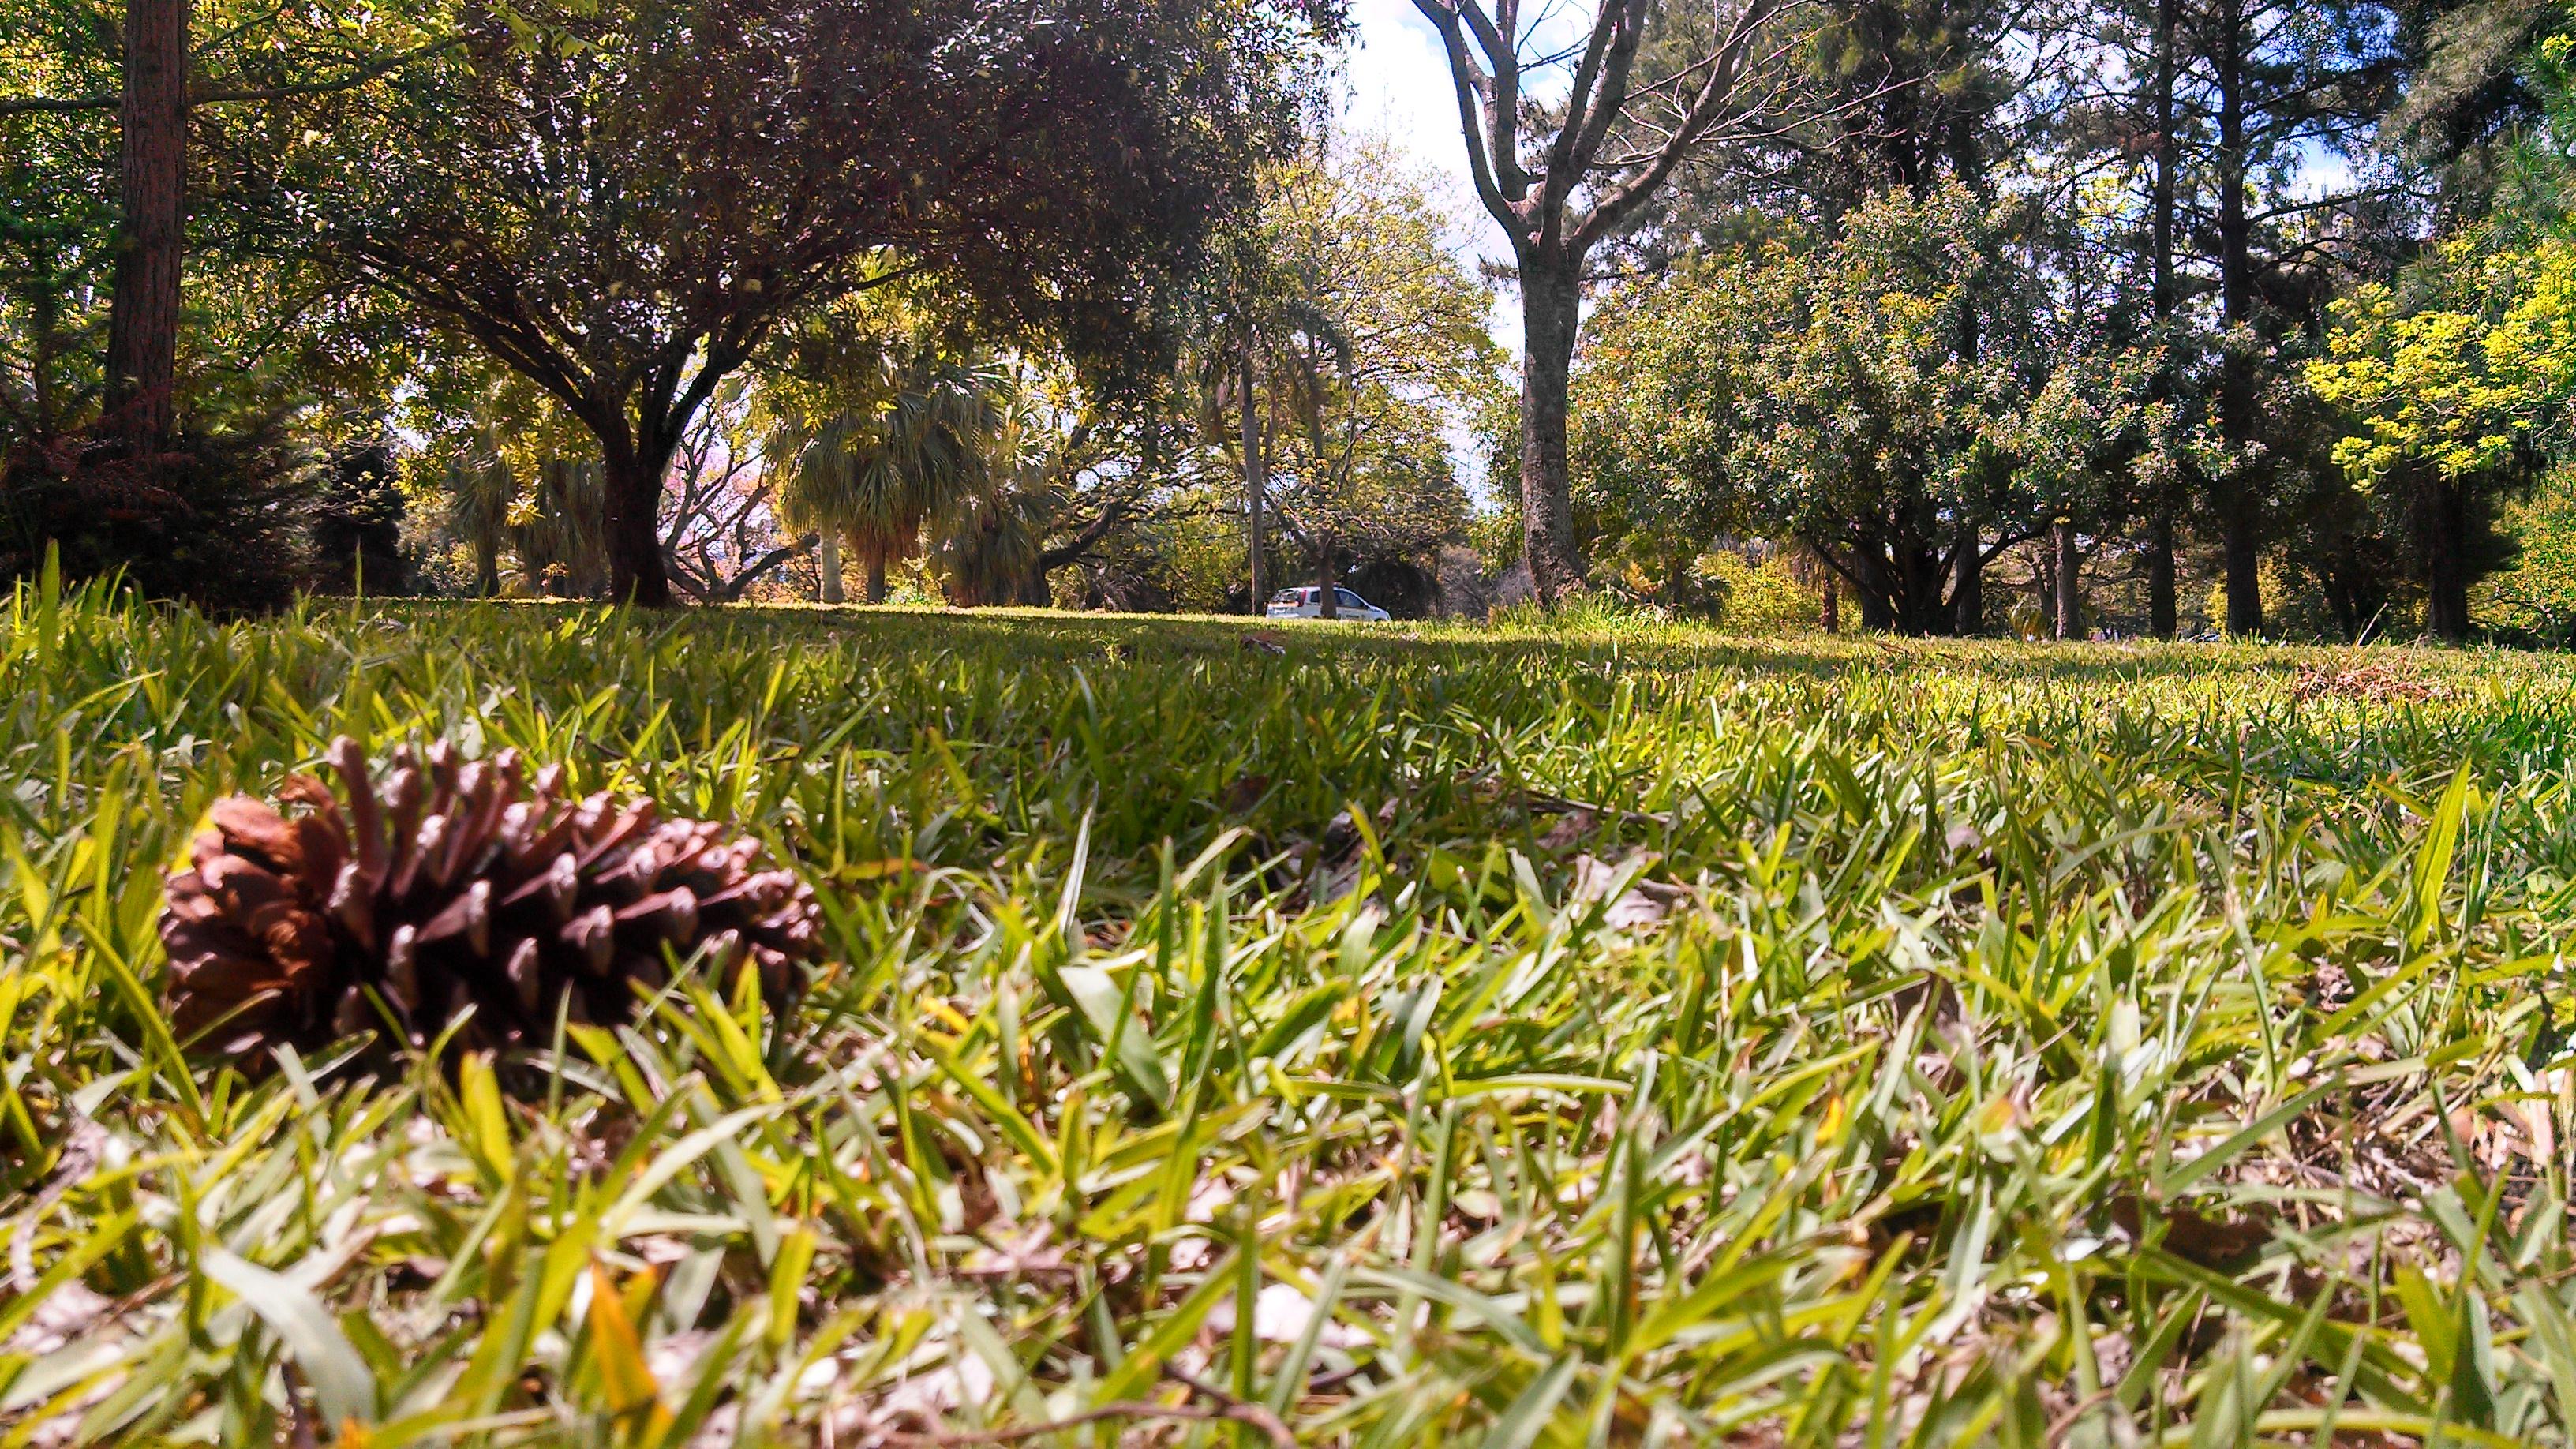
{"x":2535,"y":598}
{"x":2467,"y":375}
{"x":1876,"y":399}
{"x":1365,"y":341}
{"x":878,"y":431}
{"x":1400,"y":348}
{"x":1422,"y":1036}
{"x":1761,"y":600}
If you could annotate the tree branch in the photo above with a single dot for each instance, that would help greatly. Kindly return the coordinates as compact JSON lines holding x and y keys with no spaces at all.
{"x":63,"y":105}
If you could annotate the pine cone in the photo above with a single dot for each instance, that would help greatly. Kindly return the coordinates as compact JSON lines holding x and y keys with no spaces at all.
{"x":453,"y":885}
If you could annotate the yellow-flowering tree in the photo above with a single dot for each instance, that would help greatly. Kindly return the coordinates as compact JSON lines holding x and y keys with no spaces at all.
{"x":2455,"y":390}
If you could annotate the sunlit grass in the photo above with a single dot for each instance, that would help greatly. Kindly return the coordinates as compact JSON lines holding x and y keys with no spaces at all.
{"x":1424,"y":1034}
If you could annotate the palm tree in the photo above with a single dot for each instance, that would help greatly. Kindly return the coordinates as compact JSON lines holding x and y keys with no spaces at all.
{"x":903,"y":438}
{"x":481,"y":492}
{"x":989,"y":543}
{"x":561,"y":545}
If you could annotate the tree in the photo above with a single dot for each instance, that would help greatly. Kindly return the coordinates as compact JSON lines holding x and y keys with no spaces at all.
{"x":480,"y":493}
{"x":1368,"y":337}
{"x":988,"y":541}
{"x":620,"y":203}
{"x":1831,"y":397}
{"x":722,"y":532}
{"x":255,"y":55}
{"x":1883,"y":428}
{"x":2282,"y":76}
{"x":1070,"y":475}
{"x":876,"y":435}
{"x":1591,"y":165}
{"x":2454,"y":394}
{"x":152,"y":165}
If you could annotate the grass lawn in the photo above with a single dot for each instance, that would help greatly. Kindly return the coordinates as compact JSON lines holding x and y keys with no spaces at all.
{"x":1395,"y":1035}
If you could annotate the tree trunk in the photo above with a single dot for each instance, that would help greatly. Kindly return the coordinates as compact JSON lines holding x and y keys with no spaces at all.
{"x":1551,"y":308}
{"x":2442,"y":541}
{"x":827,"y":565}
{"x":632,"y":493}
{"x":2161,"y":620}
{"x":487,"y":571}
{"x":1327,"y":596}
{"x":1968,"y":593}
{"x":2244,"y":561}
{"x":2070,"y":582}
{"x":1833,"y":620}
{"x":2239,"y":507}
{"x":1256,"y":478}
{"x":876,"y":576}
{"x":152,"y":173}
{"x":1922,"y":584}
{"x":1877,"y":609}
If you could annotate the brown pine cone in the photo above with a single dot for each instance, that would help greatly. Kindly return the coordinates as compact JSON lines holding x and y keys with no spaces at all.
{"x":454,"y":885}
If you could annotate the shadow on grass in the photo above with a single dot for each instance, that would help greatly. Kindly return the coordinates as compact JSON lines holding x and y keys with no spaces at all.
{"x":1035,"y":636}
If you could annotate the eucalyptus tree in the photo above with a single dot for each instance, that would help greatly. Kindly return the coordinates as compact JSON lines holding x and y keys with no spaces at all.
{"x":1562,"y":171}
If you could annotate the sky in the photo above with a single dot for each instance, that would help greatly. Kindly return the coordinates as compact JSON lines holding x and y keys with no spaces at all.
{"x":1396,"y":84}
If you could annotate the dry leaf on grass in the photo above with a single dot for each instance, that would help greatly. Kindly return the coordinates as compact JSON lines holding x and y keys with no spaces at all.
{"x":1642,"y":903}
{"x":2369,"y":683}
{"x":2209,"y":1242}
{"x":1281,"y":1314}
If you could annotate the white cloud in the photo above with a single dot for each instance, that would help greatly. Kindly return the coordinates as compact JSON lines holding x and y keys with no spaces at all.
{"x":1396,"y":85}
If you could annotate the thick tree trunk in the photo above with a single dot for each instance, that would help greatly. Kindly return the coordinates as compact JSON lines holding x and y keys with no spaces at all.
{"x":152,"y":171}
{"x":2244,"y":561}
{"x":1873,"y":588}
{"x":1833,"y":616}
{"x":2442,"y":544}
{"x":1968,"y":593}
{"x":2070,"y":582}
{"x":876,"y":576}
{"x":2161,"y":613}
{"x":1551,"y":308}
{"x":2161,"y":620}
{"x":1256,"y":479}
{"x":1922,"y":582}
{"x":827,"y":565}
{"x":632,"y":493}
{"x":1327,"y":598}
{"x":2239,"y":506}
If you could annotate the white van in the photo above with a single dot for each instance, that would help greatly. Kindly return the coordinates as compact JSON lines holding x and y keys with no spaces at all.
{"x":1308,"y":603}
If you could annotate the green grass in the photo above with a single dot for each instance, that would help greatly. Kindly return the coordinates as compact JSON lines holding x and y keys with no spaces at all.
{"x":1424,"y":1036}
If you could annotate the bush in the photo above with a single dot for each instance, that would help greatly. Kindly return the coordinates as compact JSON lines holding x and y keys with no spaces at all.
{"x":1763,"y":598}
{"x":222,"y":519}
